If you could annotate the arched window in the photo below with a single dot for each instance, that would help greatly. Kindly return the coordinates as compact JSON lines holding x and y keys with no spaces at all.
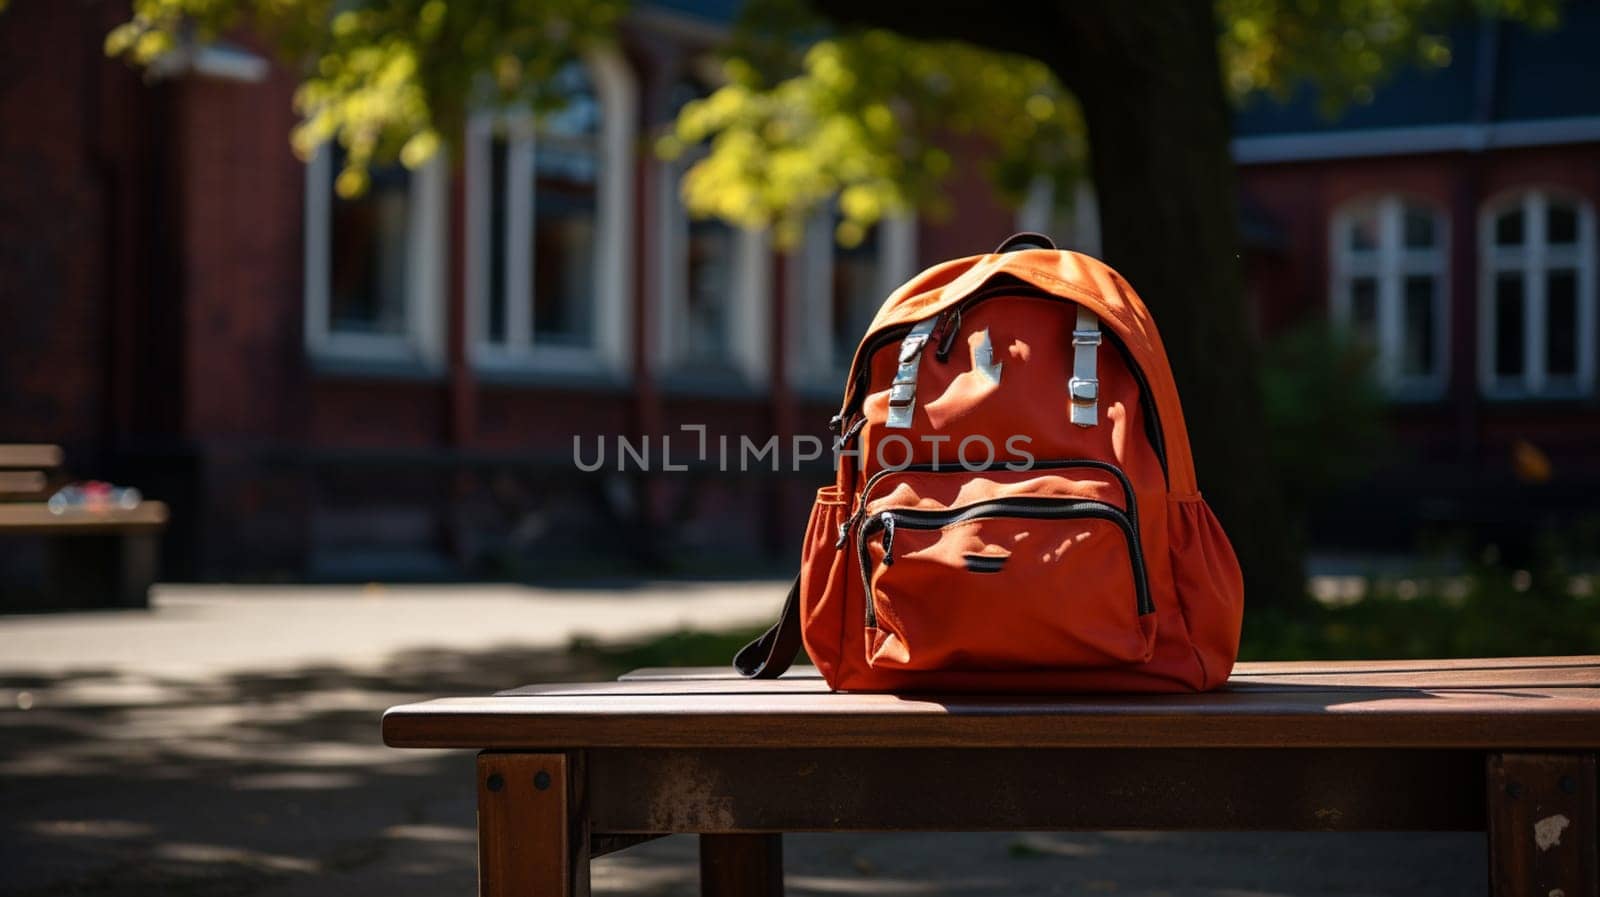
{"x":1389,"y":290}
{"x":548,"y":238}
{"x":839,"y":290}
{"x":715,"y":280}
{"x":1537,"y":318}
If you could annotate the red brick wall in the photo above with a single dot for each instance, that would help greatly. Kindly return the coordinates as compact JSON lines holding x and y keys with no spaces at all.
{"x":976,"y":220}
{"x":241,"y":249}
{"x":55,"y":152}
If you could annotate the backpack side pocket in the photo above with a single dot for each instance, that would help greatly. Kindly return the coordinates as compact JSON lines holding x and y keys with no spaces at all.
{"x":1209,"y":585}
{"x":823,"y":569}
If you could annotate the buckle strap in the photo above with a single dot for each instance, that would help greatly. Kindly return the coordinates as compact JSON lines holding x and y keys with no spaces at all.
{"x":903,"y":392}
{"x":1084,"y":387}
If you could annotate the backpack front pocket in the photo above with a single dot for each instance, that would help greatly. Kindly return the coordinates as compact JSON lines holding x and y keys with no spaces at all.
{"x":1010,"y":583}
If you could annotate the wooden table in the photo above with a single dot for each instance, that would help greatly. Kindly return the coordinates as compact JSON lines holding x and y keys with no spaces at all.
{"x":572,"y":771}
{"x":110,"y":560}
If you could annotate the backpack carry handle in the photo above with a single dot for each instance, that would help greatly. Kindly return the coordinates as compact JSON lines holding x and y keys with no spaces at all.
{"x":1025,"y":240}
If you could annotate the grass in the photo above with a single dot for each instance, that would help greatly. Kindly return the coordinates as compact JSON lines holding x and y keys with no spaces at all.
{"x":683,"y":648}
{"x":1488,"y":612}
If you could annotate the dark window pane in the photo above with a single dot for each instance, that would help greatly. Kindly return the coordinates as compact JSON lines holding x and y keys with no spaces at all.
{"x":367,"y":255}
{"x":1561,"y":223}
{"x":708,"y":266}
{"x":1364,"y":309}
{"x":1508,"y":324}
{"x":710,"y":296}
{"x":566,"y":180}
{"x":1417,"y":350}
{"x":1363,"y":233}
{"x":1419,"y":229}
{"x":1508,"y":228}
{"x":855,"y":293}
{"x":499,"y":154}
{"x":564,"y":232}
{"x":1561,"y":324}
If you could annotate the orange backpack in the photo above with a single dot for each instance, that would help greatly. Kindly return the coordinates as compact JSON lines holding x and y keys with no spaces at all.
{"x":1015,"y":507}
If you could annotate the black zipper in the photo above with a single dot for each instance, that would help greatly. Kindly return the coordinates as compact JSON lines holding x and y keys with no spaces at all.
{"x":1042,"y":508}
{"x":1018,"y":288}
{"x":1065,"y":463}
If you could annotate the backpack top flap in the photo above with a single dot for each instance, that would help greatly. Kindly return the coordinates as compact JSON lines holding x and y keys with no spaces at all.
{"x":1080,"y":278}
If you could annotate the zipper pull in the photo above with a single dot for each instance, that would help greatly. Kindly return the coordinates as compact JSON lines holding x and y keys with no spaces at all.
{"x":887,"y":519}
{"x":847,"y":433}
{"x":849,"y":523}
{"x":948,"y":327}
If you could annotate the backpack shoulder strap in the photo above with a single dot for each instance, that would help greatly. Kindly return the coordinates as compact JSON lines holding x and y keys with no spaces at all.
{"x":768,"y":656}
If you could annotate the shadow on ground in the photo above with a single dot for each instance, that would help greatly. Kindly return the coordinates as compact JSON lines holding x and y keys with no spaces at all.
{"x":276,"y":784}
{"x":130,"y":785}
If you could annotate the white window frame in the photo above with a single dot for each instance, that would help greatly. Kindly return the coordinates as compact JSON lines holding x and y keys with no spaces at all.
{"x":1388,"y":265}
{"x":750,"y":309}
{"x":1077,"y":230}
{"x":611,"y":351}
{"x":810,"y":285}
{"x":1534,"y":258}
{"x":422,"y":338}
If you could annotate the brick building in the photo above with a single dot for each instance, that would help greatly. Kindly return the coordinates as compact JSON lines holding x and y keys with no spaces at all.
{"x":1451,"y":224}
{"x":391,"y":386}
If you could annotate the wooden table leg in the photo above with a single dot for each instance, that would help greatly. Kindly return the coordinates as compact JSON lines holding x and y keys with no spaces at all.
{"x":741,"y":865}
{"x":532,"y":829}
{"x":1543,"y":830}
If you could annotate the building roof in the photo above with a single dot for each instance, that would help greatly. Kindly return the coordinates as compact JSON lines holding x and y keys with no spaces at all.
{"x":1506,"y":85}
{"x":712,"y":12}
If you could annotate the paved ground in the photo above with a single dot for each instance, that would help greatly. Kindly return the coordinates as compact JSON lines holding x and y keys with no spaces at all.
{"x":225,"y":743}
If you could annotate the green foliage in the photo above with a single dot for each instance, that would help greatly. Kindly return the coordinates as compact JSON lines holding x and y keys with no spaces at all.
{"x":387,"y":78}
{"x":1346,"y":47}
{"x":808,"y":114}
{"x":1488,"y":611}
{"x":864,"y":117}
{"x":683,"y":648}
{"x":1324,"y":410}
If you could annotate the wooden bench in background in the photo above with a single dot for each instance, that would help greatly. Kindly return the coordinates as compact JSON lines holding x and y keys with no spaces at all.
{"x":35,"y":457}
{"x":573,"y":771}
{"x":100,"y":558}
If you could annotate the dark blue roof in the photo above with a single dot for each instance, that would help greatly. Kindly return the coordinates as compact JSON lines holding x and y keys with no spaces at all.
{"x":1554,"y":73}
{"x":1536,"y":74}
{"x":721,"y":12}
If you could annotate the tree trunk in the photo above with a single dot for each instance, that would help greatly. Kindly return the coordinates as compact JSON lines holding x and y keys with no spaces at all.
{"x":1148,"y":78}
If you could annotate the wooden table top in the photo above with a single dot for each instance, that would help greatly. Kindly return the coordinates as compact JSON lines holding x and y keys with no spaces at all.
{"x":1524,"y":702}
{"x":35,"y":518}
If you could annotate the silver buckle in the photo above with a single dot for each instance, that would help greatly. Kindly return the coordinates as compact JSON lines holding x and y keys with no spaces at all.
{"x":1086,"y":337}
{"x":902,"y":393}
{"x":912,"y":345}
{"x":1083,"y":391}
